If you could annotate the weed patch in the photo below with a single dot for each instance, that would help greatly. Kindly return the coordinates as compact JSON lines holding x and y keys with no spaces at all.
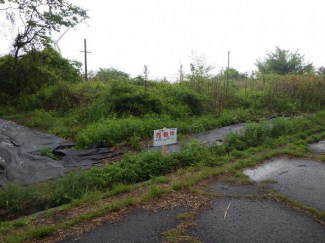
{"x":113,"y":179}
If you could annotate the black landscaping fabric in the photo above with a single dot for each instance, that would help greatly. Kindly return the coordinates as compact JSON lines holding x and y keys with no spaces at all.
{"x":19,"y":159}
{"x":20,"y":146}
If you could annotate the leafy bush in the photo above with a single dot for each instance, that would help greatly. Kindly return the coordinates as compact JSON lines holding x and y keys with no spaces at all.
{"x":186,"y":97}
{"x":136,"y":104}
{"x":111,"y":75}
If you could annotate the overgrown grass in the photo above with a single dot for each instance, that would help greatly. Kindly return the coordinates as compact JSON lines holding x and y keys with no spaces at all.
{"x":115,"y":130}
{"x":118,"y":111}
{"x":77,"y":187}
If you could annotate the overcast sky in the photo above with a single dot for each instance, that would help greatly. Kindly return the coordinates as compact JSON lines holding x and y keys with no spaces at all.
{"x":128,"y":34}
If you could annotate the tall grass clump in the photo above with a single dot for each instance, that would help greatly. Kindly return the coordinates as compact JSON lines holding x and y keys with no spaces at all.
{"x":255,"y":134}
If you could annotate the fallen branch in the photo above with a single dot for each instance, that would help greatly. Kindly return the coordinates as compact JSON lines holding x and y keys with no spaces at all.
{"x":224,"y":218}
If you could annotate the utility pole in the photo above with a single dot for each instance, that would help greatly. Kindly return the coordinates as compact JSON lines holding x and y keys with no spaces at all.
{"x":85,"y":51}
{"x":181,"y":74}
{"x":145,"y":72}
{"x":228,"y":59}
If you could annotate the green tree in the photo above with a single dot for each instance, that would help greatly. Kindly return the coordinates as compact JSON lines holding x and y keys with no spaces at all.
{"x":111,"y":74}
{"x":309,"y":69}
{"x":232,"y":73}
{"x":37,"y":18}
{"x":37,"y":69}
{"x":321,"y":71}
{"x":200,"y":70}
{"x":284,"y":62}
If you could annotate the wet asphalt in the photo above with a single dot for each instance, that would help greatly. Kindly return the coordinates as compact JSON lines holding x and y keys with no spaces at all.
{"x":248,"y":220}
{"x":229,"y":189}
{"x":317,"y":148}
{"x":255,"y":221}
{"x":299,"y":179}
{"x":137,"y":227}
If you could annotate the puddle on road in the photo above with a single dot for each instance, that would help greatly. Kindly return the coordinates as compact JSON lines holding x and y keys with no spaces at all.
{"x":274,"y":169}
{"x":299,"y":179}
{"x":317,"y":148}
{"x":287,"y":168}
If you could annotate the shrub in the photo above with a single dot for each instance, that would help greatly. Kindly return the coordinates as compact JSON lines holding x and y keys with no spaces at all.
{"x":136,"y":104}
{"x":189,"y":99}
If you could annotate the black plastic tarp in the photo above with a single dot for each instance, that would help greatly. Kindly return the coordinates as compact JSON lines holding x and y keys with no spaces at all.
{"x":19,"y":159}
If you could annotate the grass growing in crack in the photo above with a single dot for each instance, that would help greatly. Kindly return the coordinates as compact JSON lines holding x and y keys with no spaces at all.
{"x":187,"y":215}
{"x":177,"y":234}
{"x":299,"y":205}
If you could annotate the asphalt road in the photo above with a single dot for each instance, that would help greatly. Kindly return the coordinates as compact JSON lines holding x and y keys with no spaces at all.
{"x":138,"y":227}
{"x":248,"y":220}
{"x":256,"y":221}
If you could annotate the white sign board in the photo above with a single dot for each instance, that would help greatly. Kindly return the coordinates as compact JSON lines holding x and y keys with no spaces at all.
{"x":164,"y":136}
